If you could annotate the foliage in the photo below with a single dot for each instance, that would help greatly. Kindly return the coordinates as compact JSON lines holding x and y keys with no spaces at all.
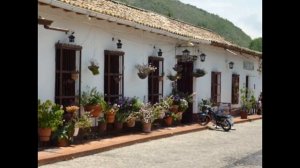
{"x":94,"y":67}
{"x":203,"y":103}
{"x":83,"y":121}
{"x":256,"y":44}
{"x":145,"y":69}
{"x":63,"y":132}
{"x":101,"y":119}
{"x":92,"y":97}
{"x":171,"y":114}
{"x":127,"y":106}
{"x":147,"y":114}
{"x":50,"y":115}
{"x":199,"y":73}
{"x":194,"y":16}
{"x":183,"y":105}
{"x":246,"y":104}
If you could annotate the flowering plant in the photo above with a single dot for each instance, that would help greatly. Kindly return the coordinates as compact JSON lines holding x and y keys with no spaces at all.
{"x":146,"y":69}
{"x":183,"y":105}
{"x":146,"y":113}
{"x":94,"y":67}
{"x":72,"y":109}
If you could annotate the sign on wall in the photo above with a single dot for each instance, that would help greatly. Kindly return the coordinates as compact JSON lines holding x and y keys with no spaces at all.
{"x":248,"y":65}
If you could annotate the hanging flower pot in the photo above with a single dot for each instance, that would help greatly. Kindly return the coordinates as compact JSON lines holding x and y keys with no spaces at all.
{"x":199,"y":73}
{"x":142,"y":75}
{"x":94,"y":69}
{"x":75,"y":75}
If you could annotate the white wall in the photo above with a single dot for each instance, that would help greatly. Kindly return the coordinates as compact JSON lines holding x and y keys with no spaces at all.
{"x":95,"y":36}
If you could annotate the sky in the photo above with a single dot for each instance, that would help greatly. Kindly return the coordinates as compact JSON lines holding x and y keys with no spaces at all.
{"x":245,"y":14}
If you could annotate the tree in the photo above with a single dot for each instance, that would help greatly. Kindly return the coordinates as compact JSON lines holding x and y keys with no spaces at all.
{"x":256,"y":44}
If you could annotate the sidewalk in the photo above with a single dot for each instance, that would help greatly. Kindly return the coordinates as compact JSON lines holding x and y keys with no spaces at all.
{"x":100,"y":145}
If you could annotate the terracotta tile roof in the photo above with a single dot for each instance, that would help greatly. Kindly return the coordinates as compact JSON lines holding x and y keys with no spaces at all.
{"x":148,"y":18}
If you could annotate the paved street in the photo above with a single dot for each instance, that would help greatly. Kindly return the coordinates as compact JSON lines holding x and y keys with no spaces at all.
{"x":239,"y":148}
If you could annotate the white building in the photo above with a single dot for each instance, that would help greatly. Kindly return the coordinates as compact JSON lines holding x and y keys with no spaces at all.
{"x":97,"y":27}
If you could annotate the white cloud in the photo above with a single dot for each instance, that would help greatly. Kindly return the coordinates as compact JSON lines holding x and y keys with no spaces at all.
{"x":245,"y":14}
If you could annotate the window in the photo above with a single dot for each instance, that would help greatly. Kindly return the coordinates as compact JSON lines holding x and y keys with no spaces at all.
{"x":235,"y":89}
{"x":155,"y":83}
{"x":216,"y":87}
{"x":113,"y":75}
{"x":68,"y":61}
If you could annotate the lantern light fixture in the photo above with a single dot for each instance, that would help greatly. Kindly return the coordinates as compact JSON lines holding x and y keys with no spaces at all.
{"x":202,"y":57}
{"x":159,"y":53}
{"x":231,"y":64}
{"x":119,"y":44}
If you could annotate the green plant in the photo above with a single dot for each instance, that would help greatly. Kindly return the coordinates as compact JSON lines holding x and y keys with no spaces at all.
{"x":83,"y":121}
{"x":203,"y":103}
{"x":50,"y":115}
{"x":245,"y":102}
{"x":94,"y":67}
{"x":92,"y":97}
{"x":199,"y":73}
{"x":63,"y":132}
{"x":101,"y":119}
{"x":183,"y":105}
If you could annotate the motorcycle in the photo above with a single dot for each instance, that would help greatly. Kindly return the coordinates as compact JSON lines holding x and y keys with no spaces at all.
{"x":223,"y":120}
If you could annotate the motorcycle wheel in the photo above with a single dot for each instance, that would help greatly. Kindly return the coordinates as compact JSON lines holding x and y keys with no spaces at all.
{"x":226,"y":125}
{"x":204,"y":120}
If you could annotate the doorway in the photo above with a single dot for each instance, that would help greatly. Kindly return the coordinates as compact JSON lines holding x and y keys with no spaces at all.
{"x":185,"y":85}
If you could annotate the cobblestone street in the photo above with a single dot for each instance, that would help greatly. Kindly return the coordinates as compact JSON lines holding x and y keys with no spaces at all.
{"x":239,"y":148}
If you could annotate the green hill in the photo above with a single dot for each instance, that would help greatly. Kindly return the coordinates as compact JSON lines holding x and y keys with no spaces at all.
{"x":195,"y":16}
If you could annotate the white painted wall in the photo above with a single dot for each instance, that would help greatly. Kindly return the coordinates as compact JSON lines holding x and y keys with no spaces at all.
{"x":95,"y":36}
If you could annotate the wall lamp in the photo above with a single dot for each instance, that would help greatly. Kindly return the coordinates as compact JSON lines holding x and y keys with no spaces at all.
{"x":202,"y":57}
{"x":119,"y":44}
{"x":71,"y":38}
{"x":185,"y":52}
{"x":159,"y":53}
{"x":231,"y":64}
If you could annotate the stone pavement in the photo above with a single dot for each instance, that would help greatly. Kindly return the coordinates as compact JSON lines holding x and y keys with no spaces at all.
{"x":64,"y":153}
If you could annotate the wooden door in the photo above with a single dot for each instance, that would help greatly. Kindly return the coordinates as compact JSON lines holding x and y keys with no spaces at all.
{"x":185,"y":85}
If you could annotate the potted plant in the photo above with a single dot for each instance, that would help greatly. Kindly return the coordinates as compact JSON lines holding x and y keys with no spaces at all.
{"x":75,"y":75}
{"x":147,"y":115}
{"x":62,"y":135}
{"x":245,"y":103}
{"x":102,"y":124}
{"x":92,"y":101}
{"x":199,"y":73}
{"x":70,"y":112}
{"x":82,"y":124}
{"x":50,"y":116}
{"x":94,"y":67}
{"x":145,"y":70}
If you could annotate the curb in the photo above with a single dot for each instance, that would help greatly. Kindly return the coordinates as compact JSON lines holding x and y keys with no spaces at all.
{"x":68,"y":156}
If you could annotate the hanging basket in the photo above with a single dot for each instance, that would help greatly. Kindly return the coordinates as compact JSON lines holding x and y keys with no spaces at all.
{"x":75,"y":75}
{"x":199,"y":73}
{"x":94,"y":69}
{"x":142,"y":75}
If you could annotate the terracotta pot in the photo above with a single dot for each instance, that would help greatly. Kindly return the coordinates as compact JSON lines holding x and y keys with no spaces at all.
{"x":62,"y":142}
{"x":44,"y":134}
{"x":118,"y":126}
{"x":147,"y":127}
{"x":102,"y":127}
{"x":110,"y":117}
{"x":131,"y":123}
{"x":95,"y":110}
{"x":168,"y":121}
{"x":244,"y":114}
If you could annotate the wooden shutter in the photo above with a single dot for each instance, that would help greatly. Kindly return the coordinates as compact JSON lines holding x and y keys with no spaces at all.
{"x":235,"y":89}
{"x":67,"y":60}
{"x":113,"y":75}
{"x":155,"y":86}
{"x":216,"y":87}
